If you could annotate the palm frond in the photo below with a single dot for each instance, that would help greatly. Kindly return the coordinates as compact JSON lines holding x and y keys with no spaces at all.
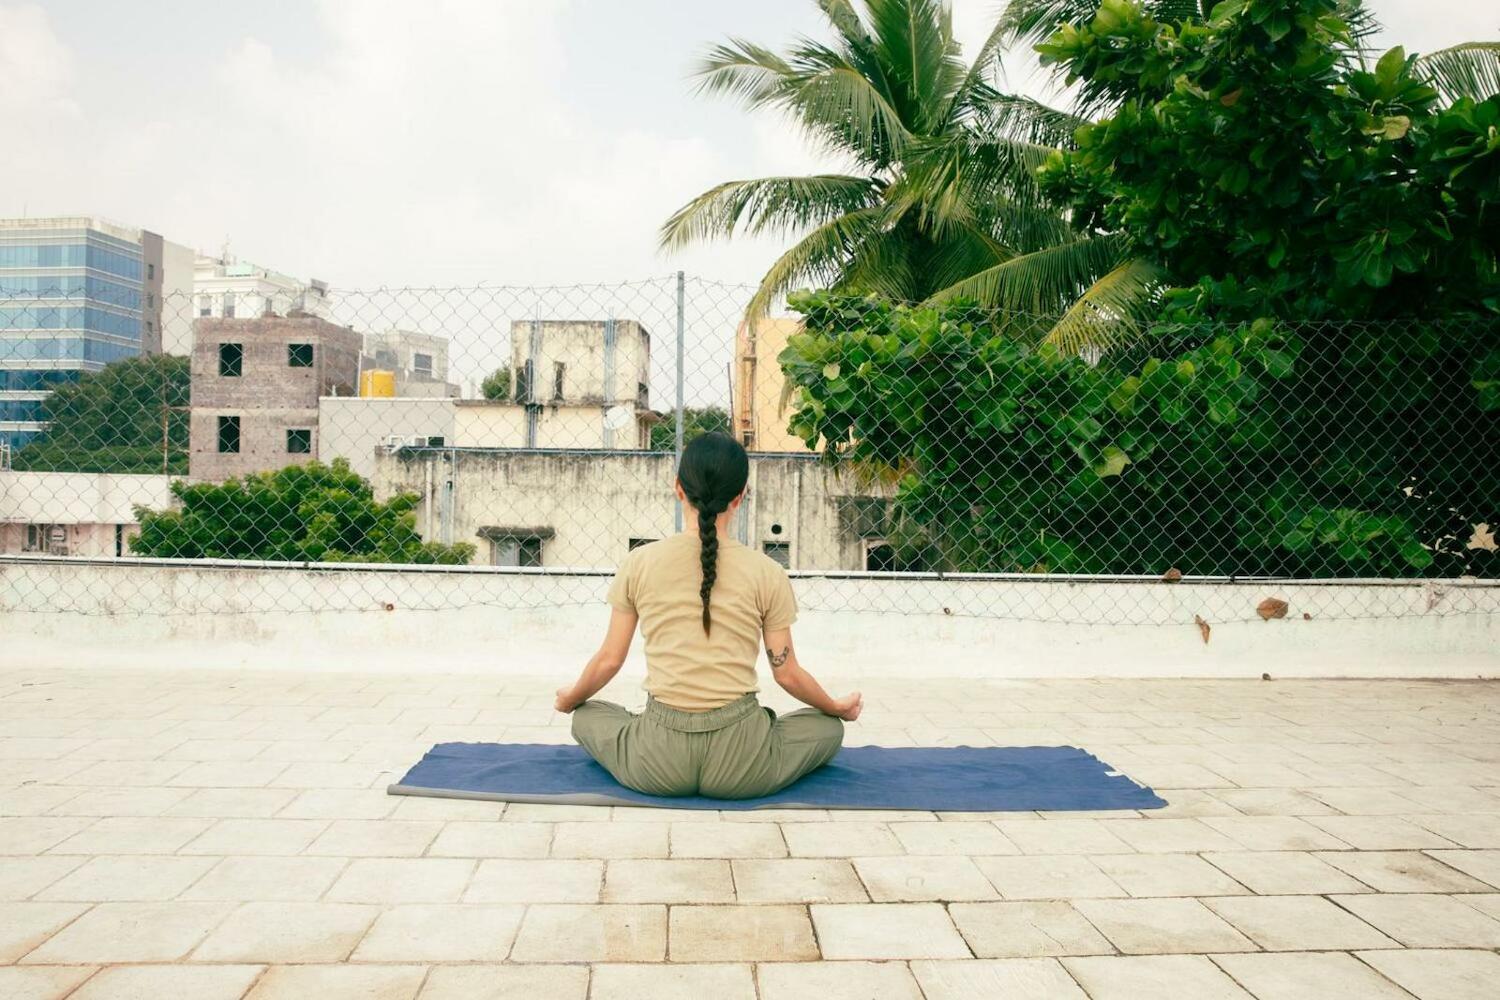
{"x":767,"y":204}
{"x":742,"y":69}
{"x":1469,"y":70}
{"x":1031,"y":22}
{"x":844,"y":109}
{"x":1042,"y":282}
{"x":1112,"y":313}
{"x":914,"y":40}
{"x":817,"y":258}
{"x":1015,"y":116}
{"x":845,"y":20}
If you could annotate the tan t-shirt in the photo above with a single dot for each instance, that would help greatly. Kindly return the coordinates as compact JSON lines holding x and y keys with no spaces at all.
{"x":685,"y":668}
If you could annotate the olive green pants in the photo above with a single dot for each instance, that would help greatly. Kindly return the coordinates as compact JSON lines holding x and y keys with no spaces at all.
{"x":740,"y":751}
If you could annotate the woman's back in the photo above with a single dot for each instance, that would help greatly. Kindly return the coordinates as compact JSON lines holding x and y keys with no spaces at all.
{"x":686,"y":667}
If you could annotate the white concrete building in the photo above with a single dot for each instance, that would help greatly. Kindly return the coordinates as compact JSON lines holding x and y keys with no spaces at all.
{"x":586,"y":509}
{"x":358,"y":428}
{"x":224,"y":287}
{"x":418,"y":360}
{"x":75,"y":513}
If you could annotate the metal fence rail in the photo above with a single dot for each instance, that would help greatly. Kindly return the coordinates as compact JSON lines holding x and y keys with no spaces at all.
{"x":905,"y":459}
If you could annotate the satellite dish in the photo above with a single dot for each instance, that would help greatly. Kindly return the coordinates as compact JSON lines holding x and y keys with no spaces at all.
{"x":618,"y":417}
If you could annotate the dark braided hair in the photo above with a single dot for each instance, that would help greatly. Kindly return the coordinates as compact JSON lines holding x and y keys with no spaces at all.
{"x":712,"y":473}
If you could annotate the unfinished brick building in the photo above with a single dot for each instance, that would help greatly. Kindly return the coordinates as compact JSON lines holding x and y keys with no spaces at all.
{"x":255,"y":389}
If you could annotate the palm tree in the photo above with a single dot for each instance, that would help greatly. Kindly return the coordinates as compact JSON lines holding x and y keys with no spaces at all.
{"x":942,"y":198}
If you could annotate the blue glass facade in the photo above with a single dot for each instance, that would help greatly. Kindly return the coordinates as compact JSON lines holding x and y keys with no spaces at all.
{"x":71,"y":301}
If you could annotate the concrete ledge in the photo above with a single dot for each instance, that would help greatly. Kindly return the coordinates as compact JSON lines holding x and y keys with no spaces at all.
{"x":158,"y":613}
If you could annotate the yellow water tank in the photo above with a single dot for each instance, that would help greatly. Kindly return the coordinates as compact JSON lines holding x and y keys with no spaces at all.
{"x":376,"y":382}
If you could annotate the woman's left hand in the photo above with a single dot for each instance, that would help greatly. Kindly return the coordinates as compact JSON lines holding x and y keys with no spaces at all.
{"x":565,"y":702}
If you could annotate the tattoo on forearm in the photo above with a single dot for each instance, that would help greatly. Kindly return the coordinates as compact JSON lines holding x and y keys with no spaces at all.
{"x":777,"y":659}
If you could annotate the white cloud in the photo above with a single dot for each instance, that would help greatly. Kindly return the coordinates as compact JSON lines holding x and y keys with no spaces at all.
{"x":35,"y":67}
{"x":446,"y":142}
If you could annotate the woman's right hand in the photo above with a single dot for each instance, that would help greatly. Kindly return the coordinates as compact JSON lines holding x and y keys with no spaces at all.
{"x":849,"y":706}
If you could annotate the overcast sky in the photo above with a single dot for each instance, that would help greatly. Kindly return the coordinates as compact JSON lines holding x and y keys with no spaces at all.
{"x":446,"y":142}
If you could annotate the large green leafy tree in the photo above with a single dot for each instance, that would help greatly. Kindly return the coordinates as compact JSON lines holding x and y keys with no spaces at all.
{"x":1318,"y":395}
{"x":312,"y":512}
{"x":127,"y":418}
{"x":942,"y":199}
{"x":1263,"y":169}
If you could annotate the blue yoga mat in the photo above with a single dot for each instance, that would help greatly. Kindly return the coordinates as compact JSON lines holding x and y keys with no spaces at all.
{"x":949,"y":779}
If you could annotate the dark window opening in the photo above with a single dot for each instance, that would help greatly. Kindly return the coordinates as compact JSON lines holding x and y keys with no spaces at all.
{"x":558,"y":370}
{"x":516,"y":551}
{"x":229,"y":435}
{"x":231,"y":360}
{"x":880,"y":558}
{"x":780,"y":552}
{"x":299,"y":440}
{"x":421,"y":364}
{"x":299,"y":355}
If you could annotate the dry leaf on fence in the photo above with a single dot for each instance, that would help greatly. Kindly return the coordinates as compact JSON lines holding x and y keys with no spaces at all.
{"x":1271,"y":607}
{"x":1203,"y":628}
{"x":1172,"y":575}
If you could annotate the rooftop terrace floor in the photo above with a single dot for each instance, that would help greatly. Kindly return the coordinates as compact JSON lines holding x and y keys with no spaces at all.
{"x":219,"y":835}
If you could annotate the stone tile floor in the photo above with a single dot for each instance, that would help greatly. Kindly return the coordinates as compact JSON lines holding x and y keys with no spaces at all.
{"x":228,"y":835}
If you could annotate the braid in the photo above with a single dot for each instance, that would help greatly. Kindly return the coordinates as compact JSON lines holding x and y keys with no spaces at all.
{"x":708,"y":536}
{"x":711,"y":475}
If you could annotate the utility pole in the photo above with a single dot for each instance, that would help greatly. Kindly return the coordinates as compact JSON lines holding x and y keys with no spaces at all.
{"x":681,"y":336}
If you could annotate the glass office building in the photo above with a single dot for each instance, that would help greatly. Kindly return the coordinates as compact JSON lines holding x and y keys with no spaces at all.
{"x":75,"y":295}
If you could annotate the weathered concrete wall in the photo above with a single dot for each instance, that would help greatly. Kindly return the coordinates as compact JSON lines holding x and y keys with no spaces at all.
{"x":579,"y":345}
{"x":501,"y":424}
{"x":355,"y":428}
{"x":60,"y":613}
{"x":594,"y":503}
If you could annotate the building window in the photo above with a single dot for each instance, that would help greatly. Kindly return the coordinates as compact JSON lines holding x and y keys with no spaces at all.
{"x":267,"y":308}
{"x":229,"y":435}
{"x":421,"y":364}
{"x":299,"y":355}
{"x":642,"y":396}
{"x":205,"y":305}
{"x":229,"y":305}
{"x":558,"y":370}
{"x":780,"y":552}
{"x":150,"y":300}
{"x":516,"y":550}
{"x":231,"y":360}
{"x":636,"y":543}
{"x":881,"y":557}
{"x":299,"y":441}
{"x":150,"y":271}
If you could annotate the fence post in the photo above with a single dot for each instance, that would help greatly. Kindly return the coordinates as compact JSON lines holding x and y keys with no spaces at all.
{"x":681,"y":339}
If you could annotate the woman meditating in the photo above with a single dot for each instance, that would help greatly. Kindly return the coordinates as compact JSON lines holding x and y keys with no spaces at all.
{"x":704,"y":602}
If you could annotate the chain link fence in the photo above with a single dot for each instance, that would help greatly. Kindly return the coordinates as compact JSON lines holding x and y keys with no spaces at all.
{"x":438,"y":448}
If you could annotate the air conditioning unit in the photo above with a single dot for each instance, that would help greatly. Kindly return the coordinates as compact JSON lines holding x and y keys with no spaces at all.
{"x":394,"y":441}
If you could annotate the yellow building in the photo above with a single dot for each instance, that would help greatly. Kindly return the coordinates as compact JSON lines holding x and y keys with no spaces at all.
{"x":759,"y":420}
